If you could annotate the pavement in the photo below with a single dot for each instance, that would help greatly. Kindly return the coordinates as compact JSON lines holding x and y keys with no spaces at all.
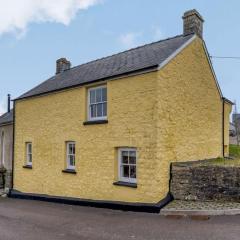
{"x":34,"y":220}
{"x":197,"y":208}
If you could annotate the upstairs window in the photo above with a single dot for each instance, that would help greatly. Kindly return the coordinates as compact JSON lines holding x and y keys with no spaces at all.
{"x":29,"y":154}
{"x":97,"y":103}
{"x":127,"y":159}
{"x":71,"y":155}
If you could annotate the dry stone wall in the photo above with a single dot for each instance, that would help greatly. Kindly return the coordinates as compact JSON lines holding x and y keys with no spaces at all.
{"x":205,"y":183}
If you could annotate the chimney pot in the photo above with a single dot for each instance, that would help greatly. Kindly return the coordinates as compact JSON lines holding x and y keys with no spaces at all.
{"x":62,"y":65}
{"x":193,"y":23}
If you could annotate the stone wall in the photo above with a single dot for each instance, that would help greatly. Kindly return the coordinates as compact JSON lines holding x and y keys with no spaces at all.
{"x":8,"y":179}
{"x":195,"y":182}
{"x":2,"y":178}
{"x":5,"y":178}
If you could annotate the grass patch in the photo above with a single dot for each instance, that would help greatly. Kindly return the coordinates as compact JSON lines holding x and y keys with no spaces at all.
{"x":234,"y":153}
{"x":222,"y":162}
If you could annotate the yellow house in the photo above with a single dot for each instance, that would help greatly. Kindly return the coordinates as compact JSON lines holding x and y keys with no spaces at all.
{"x":106,"y":132}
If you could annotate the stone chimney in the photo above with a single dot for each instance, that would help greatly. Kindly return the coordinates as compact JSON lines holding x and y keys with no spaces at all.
{"x":193,"y":23}
{"x":62,"y":65}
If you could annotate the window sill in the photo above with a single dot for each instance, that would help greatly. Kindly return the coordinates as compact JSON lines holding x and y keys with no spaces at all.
{"x":125,"y":184}
{"x":69,"y":171}
{"x":27,"y":166}
{"x":93,"y":122}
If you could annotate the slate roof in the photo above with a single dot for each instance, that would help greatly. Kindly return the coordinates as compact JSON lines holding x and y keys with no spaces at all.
{"x":6,"y":118}
{"x":140,"y":58}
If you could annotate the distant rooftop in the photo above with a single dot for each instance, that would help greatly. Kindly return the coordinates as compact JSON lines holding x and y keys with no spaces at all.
{"x":6,"y":118}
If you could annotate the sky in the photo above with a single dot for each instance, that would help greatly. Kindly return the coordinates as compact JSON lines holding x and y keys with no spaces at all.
{"x":35,"y":33}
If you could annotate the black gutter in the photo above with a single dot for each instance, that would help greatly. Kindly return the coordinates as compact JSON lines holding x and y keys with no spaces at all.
{"x":228,"y":101}
{"x":6,"y":124}
{"x":151,"y":68}
{"x":115,"y":205}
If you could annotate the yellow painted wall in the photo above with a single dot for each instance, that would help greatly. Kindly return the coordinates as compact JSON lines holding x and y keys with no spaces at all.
{"x":189,"y":112}
{"x":48,"y":122}
{"x":170,"y":115}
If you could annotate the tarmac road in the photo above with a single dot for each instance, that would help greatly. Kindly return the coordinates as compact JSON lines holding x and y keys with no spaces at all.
{"x":25,"y":220}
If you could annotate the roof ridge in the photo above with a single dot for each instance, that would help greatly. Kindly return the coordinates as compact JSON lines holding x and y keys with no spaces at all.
{"x":131,"y":49}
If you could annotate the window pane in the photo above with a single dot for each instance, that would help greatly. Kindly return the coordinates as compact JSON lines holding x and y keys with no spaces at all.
{"x":99,"y":110}
{"x":93,"y":111}
{"x":29,"y":148}
{"x":73,"y":148}
{"x":125,"y":157}
{"x":125,"y":171}
{"x":132,"y":157}
{"x":92,"y":96}
{"x":104,"y":109}
{"x":98,"y":95}
{"x":30,"y":158}
{"x":104,"y":94}
{"x":69,"y":148}
{"x":132,"y":171}
{"x":71,"y":160}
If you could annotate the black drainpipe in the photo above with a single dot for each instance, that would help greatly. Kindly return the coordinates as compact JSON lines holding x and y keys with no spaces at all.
{"x":13,"y":148}
{"x":223,"y":120}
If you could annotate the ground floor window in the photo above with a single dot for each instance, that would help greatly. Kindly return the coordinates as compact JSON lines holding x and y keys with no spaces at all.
{"x":127,"y":158}
{"x":29,"y":153}
{"x":71,"y":155}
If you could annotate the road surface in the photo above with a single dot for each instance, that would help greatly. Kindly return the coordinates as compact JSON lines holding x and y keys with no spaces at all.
{"x":25,"y":220}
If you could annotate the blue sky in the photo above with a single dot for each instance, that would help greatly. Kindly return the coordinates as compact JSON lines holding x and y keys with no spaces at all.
{"x":33,"y":36}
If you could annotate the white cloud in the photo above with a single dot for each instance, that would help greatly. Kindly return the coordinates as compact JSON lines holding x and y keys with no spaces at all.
{"x":130,"y":39}
{"x":134,"y":39}
{"x":157,"y":33}
{"x":15,"y":15}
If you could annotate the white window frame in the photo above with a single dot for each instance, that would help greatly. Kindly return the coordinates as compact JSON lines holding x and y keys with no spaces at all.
{"x":28,"y":154}
{"x":120,"y":177}
{"x":70,"y":167}
{"x":90,"y":118}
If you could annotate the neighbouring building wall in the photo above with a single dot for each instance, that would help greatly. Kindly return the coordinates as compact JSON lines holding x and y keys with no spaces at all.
{"x":190,"y":112}
{"x":6,"y":144}
{"x":227,"y":112}
{"x":49,"y":121}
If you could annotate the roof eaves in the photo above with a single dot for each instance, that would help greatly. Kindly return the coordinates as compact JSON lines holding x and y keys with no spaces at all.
{"x":228,"y":101}
{"x":6,"y":123}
